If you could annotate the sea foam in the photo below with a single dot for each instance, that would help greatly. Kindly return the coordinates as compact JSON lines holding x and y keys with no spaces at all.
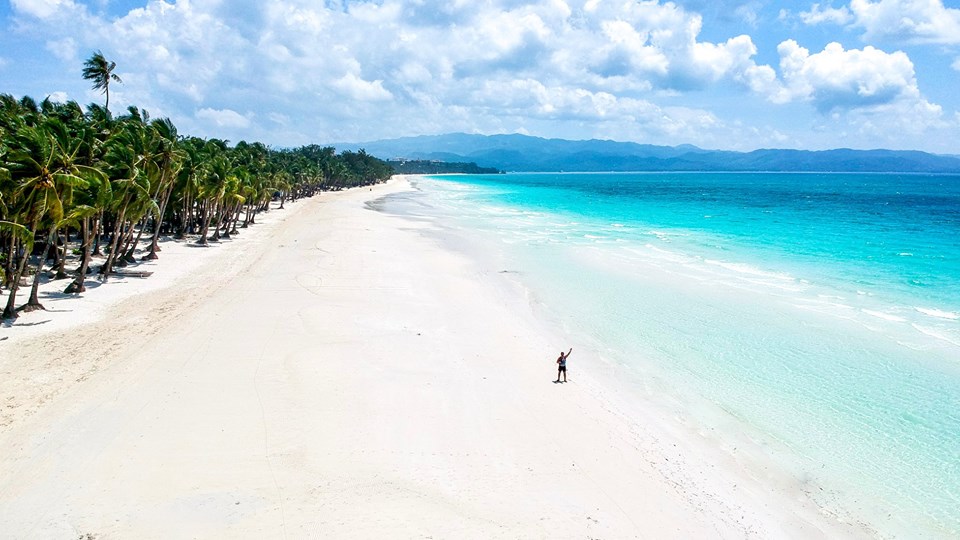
{"x":938,"y":313}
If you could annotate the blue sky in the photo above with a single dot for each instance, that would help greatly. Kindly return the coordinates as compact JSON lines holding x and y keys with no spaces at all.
{"x":734,"y":75}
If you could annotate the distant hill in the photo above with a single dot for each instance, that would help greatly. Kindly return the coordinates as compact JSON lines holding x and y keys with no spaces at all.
{"x":523,"y":153}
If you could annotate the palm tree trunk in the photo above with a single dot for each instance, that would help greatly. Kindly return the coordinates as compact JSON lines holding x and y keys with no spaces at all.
{"x":96,"y":235}
{"x":125,"y":242}
{"x":206,"y":225}
{"x":133,"y":247}
{"x":10,"y":311}
{"x":62,"y":255}
{"x":77,"y":286}
{"x":8,"y":274}
{"x":154,"y":247}
{"x":218,"y":223}
{"x":246,"y":215}
{"x":111,"y":257}
{"x":185,"y":217}
{"x":236,"y":219}
{"x":33,"y":303}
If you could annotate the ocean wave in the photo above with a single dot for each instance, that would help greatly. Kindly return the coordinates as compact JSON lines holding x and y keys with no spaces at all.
{"x":938,"y":313}
{"x":663,"y":254}
{"x":750,"y":270}
{"x":935,"y":334}
{"x":664,"y":235}
{"x":884,"y":316}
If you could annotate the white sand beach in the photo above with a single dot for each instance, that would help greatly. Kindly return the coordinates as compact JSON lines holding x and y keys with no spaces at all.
{"x":335,"y":373}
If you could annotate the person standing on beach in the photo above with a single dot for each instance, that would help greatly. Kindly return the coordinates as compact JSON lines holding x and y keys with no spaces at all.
{"x":562,"y":365}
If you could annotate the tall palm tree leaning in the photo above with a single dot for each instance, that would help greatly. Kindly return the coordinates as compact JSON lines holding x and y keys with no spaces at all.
{"x":99,"y":70}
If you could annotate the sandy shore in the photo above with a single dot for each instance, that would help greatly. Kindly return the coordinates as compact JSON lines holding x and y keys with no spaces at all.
{"x":336,"y":373}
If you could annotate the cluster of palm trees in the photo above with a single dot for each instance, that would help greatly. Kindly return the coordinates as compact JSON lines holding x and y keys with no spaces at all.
{"x":82,"y":185}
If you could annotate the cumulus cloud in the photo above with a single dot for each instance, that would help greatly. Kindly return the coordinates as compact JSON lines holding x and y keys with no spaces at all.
{"x":64,"y":49}
{"x":438,"y":60}
{"x":818,"y":15}
{"x":921,"y":21}
{"x":358,"y":89}
{"x":340,"y":70}
{"x":224,"y":118}
{"x":58,"y":97}
{"x":44,"y":9}
{"x":911,"y":21}
{"x":658,"y":44}
{"x":844,"y":79}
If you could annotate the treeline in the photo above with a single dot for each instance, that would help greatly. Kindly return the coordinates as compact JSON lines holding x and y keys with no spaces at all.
{"x":85,"y":183}
{"x":423,"y":166}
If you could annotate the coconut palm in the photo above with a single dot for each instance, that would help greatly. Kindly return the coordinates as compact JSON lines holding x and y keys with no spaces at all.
{"x":65,"y":171}
{"x":42,"y":164}
{"x":124,"y":157}
{"x":99,"y":71}
{"x":91,"y":202}
{"x":213,"y":188}
{"x":167,"y":160}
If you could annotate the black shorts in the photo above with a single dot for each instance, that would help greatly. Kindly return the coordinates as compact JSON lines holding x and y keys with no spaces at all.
{"x":562,"y":368}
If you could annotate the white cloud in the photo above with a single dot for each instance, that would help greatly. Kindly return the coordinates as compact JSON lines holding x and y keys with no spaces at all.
{"x":278,"y":118}
{"x":58,"y":97}
{"x":829,"y":14}
{"x":863,"y":95}
{"x":843,"y":79}
{"x":322,"y":71}
{"x":65,"y":49}
{"x":909,"y":116}
{"x":956,"y":64}
{"x":749,"y":13}
{"x":224,"y":118}
{"x":358,"y":89}
{"x":921,"y":21}
{"x":43,"y":9}
{"x":910,"y":21}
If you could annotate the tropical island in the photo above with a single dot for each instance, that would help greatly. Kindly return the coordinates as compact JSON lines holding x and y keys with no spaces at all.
{"x":86,"y":182}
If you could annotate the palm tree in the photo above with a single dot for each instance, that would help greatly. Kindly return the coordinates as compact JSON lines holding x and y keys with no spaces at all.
{"x":65,"y":171}
{"x":167,"y":160}
{"x":213,"y":189}
{"x":91,"y":203}
{"x":42,"y":164}
{"x":125,"y":156}
{"x":99,"y":70}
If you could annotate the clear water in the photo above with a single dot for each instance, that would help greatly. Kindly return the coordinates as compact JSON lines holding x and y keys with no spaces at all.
{"x":820,"y":312}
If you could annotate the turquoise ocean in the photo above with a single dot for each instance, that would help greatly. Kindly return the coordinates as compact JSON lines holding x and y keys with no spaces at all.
{"x":817,"y":315}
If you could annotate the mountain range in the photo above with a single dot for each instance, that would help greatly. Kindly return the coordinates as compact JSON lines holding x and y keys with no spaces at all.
{"x":523,"y":153}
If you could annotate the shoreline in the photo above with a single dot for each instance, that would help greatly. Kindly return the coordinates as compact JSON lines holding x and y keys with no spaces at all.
{"x":121,"y":296}
{"x":731,"y":466}
{"x":344,"y":373}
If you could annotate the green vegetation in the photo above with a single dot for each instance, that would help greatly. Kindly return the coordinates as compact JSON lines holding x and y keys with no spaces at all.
{"x":424,"y":166}
{"x":75,"y":181}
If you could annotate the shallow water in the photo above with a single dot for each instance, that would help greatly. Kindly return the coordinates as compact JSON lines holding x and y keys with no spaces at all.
{"x":819,"y":312}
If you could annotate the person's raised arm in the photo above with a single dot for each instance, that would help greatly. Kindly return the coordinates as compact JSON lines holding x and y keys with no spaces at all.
{"x":570,"y":351}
